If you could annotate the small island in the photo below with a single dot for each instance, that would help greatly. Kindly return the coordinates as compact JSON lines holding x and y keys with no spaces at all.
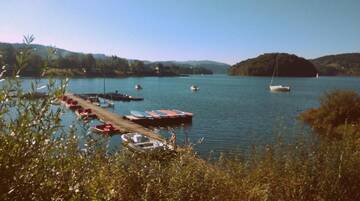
{"x":288,"y":65}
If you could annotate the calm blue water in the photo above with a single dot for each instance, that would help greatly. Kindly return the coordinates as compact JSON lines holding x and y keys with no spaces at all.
{"x":231,"y":113}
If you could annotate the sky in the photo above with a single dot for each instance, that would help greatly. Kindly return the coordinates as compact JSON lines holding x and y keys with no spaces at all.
{"x":222,"y":30}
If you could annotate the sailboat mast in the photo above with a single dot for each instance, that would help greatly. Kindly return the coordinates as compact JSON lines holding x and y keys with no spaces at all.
{"x":274,"y":69}
{"x":104,"y":85}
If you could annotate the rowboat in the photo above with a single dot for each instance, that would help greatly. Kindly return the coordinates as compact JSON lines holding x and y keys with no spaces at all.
{"x":140,"y":143}
{"x":85,"y":114}
{"x":106,"y":129}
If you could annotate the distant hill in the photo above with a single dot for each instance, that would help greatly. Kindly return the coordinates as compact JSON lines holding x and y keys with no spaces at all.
{"x":339,"y":64}
{"x":288,"y":65}
{"x":214,"y":66}
{"x":68,"y":63}
{"x":41,"y":50}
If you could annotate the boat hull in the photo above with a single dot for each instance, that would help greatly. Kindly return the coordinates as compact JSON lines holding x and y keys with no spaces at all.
{"x":279,"y":88}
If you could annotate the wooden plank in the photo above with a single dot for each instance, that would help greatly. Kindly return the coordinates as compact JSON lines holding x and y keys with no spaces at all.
{"x":117,"y":120}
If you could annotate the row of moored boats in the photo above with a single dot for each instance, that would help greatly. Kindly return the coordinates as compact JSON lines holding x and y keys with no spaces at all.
{"x":154,"y":117}
{"x":134,"y":141}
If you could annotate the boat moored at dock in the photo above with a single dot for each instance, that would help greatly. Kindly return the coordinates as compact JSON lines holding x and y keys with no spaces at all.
{"x":105,"y":129}
{"x":142,"y":144}
{"x":159,"y":117}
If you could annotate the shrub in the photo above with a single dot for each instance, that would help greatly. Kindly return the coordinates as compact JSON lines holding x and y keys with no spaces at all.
{"x":337,"y":109}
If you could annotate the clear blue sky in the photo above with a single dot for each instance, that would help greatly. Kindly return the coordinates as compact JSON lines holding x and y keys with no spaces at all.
{"x":222,"y":30}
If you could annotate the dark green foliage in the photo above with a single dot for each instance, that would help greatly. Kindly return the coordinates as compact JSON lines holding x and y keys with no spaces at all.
{"x":340,"y":64}
{"x":263,"y":65}
{"x":65,"y":63}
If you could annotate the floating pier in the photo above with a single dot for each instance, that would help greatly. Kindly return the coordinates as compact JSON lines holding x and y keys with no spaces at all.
{"x":111,"y":96}
{"x":118,"y":121}
{"x":160,"y":117}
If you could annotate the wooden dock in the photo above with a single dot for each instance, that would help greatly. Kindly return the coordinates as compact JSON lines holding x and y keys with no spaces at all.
{"x":117,"y":120}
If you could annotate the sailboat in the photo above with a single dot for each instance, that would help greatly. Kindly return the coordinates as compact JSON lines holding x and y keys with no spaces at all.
{"x":277,"y":88}
{"x":106,"y":103}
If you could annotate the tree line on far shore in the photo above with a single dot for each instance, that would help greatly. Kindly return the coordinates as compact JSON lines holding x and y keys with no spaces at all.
{"x":64,"y":63}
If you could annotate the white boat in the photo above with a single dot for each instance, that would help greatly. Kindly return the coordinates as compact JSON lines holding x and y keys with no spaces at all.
{"x":317,"y":75}
{"x":194,"y":88}
{"x":138,"y":87}
{"x":141,"y":143}
{"x":277,"y":88}
{"x":106,"y":104}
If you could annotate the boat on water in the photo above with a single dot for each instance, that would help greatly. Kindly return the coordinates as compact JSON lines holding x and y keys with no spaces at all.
{"x":277,"y":88}
{"x":153,"y":114}
{"x":140,"y":143}
{"x":138,"y":87}
{"x":85,"y":114}
{"x":106,"y":129}
{"x":72,"y":104}
{"x":106,"y":104}
{"x":94,"y":100}
{"x":194,"y":88}
{"x":140,"y":114}
{"x":317,"y":75}
{"x":172,"y":114}
{"x":159,"y":117}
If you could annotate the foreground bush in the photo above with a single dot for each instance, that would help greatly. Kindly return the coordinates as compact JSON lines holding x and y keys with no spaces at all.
{"x":337,"y":110}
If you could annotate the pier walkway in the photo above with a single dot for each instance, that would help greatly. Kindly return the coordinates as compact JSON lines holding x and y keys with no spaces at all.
{"x":117,"y":120}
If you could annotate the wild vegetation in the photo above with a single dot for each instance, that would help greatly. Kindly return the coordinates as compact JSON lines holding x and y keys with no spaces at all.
{"x":65,"y":63}
{"x":338,"y":110}
{"x":41,"y":160}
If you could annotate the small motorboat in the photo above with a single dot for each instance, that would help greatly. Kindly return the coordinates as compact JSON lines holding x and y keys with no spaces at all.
{"x":106,"y":104}
{"x":143,"y":144}
{"x":106,"y":129}
{"x":138,"y":87}
{"x":279,"y":88}
{"x":194,"y":88}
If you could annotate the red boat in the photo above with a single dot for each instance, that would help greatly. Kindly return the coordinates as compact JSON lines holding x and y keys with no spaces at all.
{"x":153,"y":114}
{"x":171,"y":114}
{"x":106,"y":129}
{"x":85,"y":114}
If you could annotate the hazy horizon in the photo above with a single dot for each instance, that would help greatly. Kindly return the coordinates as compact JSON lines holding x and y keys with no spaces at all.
{"x":159,"y":30}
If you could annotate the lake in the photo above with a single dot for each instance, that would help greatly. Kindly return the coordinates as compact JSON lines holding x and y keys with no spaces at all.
{"x":231,"y":113}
